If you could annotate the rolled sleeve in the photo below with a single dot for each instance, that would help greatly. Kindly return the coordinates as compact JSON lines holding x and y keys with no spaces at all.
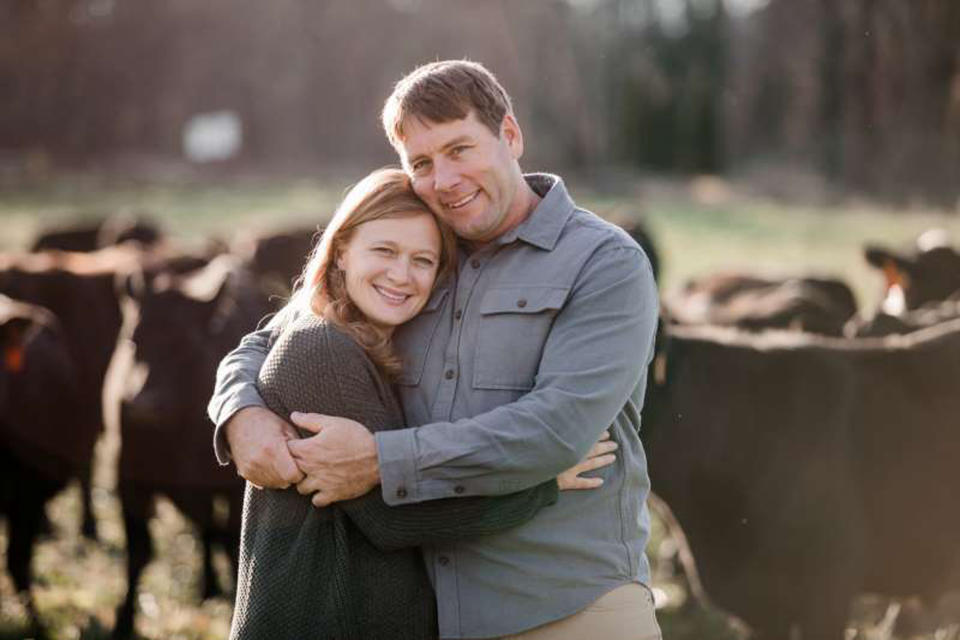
{"x":396,"y":453}
{"x":236,"y":386}
{"x":594,"y":358}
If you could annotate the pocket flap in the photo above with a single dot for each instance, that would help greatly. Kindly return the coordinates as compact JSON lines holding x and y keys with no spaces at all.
{"x":524,"y":299}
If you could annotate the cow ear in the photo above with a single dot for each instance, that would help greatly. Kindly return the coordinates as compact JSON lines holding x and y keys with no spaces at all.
{"x":13,"y":337}
{"x":876,"y":256}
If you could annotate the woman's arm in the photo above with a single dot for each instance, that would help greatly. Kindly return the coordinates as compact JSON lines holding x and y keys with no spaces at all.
{"x":314,"y":368}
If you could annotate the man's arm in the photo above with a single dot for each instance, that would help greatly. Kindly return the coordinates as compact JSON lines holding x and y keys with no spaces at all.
{"x":598,"y":348}
{"x":246,"y":431}
{"x":595,"y":355}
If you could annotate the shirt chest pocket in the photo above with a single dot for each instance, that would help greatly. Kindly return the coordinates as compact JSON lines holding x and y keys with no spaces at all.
{"x":513,"y":327}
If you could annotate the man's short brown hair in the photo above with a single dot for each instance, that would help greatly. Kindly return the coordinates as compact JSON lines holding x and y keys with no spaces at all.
{"x":444,"y":91}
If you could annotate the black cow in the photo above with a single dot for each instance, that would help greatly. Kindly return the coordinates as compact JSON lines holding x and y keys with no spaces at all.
{"x":639,"y":232}
{"x":928,"y":273}
{"x":754,"y":303}
{"x":885,"y":324}
{"x":79,"y":289}
{"x":97,"y":234}
{"x":806,"y":470}
{"x":180,"y":326}
{"x":39,"y":449}
{"x":278,"y":258}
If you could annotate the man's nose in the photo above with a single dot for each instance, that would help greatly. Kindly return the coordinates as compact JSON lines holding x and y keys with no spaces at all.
{"x":445,"y":176}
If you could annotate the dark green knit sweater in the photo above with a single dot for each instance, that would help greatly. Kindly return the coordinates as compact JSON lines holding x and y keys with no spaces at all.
{"x":352,"y":570}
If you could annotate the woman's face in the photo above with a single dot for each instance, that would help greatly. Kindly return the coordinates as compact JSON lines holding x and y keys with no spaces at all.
{"x":390,"y":266}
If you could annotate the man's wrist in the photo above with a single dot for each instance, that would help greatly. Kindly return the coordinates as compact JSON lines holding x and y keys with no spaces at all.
{"x":396,"y":465}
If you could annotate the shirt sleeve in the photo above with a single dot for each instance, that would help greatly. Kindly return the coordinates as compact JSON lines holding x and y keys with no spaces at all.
{"x":236,"y":386}
{"x":314,"y":369}
{"x":593,"y":359}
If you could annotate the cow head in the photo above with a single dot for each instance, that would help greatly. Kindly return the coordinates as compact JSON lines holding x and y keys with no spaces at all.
{"x":930,"y":273}
{"x":19,"y":323}
{"x":175,"y":343}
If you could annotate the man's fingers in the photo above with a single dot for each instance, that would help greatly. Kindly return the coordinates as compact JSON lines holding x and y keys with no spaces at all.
{"x":287,"y":468}
{"x":319,"y":499}
{"x":289,"y":432}
{"x":307,"y":486}
{"x":309,"y":421}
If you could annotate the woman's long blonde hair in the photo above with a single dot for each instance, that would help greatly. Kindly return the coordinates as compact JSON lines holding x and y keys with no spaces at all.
{"x":321,"y":289}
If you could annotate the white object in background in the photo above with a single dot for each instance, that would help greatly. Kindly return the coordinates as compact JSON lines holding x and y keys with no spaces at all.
{"x":208,"y":137}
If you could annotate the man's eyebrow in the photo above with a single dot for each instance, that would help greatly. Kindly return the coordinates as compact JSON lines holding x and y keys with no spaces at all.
{"x":456,"y":141}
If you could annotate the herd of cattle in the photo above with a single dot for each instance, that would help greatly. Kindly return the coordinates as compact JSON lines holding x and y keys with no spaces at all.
{"x":809,"y":451}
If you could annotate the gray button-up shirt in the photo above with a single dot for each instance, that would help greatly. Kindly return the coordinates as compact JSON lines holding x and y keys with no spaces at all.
{"x":512,"y":372}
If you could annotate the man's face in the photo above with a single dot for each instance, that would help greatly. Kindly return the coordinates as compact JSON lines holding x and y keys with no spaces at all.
{"x":466,"y":174}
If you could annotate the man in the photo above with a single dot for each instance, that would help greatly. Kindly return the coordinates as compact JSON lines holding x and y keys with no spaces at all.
{"x":513,"y":371}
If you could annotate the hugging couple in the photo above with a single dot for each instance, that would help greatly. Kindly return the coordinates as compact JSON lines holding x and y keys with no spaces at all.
{"x":413,"y":425}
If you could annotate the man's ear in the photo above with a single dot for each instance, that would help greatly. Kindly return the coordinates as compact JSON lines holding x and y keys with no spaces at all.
{"x":510,"y":131}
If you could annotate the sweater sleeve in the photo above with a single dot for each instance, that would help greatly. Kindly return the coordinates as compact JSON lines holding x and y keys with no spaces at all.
{"x":314,"y":368}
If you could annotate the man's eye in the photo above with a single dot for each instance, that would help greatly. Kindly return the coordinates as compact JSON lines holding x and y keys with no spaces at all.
{"x":458,"y":150}
{"x":419,"y":166}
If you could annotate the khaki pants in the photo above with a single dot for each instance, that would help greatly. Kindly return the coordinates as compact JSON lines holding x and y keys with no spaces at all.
{"x":626,"y":613}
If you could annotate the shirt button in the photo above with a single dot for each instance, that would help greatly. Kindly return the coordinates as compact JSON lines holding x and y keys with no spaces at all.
{"x":475,"y":263}
{"x":443,"y":560}
{"x":459,"y":489}
{"x":458,"y":314}
{"x":401,"y":493}
{"x":448,"y":374}
{"x":522,"y":302}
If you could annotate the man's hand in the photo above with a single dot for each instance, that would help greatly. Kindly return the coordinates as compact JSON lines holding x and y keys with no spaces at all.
{"x":340,"y":462}
{"x":258,"y":443}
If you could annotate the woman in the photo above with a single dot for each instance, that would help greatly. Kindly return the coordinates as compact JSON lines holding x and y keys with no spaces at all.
{"x":352,"y":570}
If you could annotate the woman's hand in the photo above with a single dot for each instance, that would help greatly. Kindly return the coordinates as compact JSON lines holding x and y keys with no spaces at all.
{"x":599,"y":456}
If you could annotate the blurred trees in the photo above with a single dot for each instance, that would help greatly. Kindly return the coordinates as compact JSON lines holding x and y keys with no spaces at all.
{"x":867,"y":92}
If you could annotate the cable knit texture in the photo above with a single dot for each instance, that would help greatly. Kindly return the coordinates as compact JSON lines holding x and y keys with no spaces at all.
{"x":352,"y":570}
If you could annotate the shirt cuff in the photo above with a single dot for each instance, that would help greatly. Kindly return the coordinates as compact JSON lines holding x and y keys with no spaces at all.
{"x":397,"y":457}
{"x":243,"y":400}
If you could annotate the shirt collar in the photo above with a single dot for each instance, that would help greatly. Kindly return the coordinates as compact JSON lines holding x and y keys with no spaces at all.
{"x":543,"y":226}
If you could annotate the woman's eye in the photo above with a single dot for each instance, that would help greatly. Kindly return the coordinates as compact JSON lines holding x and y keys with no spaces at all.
{"x":385,"y":251}
{"x":424,"y":262}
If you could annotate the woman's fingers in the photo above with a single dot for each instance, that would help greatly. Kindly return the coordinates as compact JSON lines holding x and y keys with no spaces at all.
{"x":310,"y":421}
{"x":599,"y":456}
{"x":577,"y":483}
{"x":601,"y":447}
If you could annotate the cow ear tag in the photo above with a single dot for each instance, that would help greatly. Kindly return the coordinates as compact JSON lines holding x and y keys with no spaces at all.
{"x":13,"y":359}
{"x":892,"y":275}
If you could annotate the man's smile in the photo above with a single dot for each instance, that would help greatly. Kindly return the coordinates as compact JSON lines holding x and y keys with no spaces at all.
{"x":462,"y":201}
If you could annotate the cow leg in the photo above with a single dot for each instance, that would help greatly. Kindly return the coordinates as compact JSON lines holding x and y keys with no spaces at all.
{"x":827,"y":617}
{"x":198,"y":507}
{"x":89,"y":525}
{"x":137,"y":510}
{"x":210,"y":587}
{"x":24,"y":527}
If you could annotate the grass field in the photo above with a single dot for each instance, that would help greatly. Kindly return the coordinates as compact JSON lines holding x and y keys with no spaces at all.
{"x":699,"y":227}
